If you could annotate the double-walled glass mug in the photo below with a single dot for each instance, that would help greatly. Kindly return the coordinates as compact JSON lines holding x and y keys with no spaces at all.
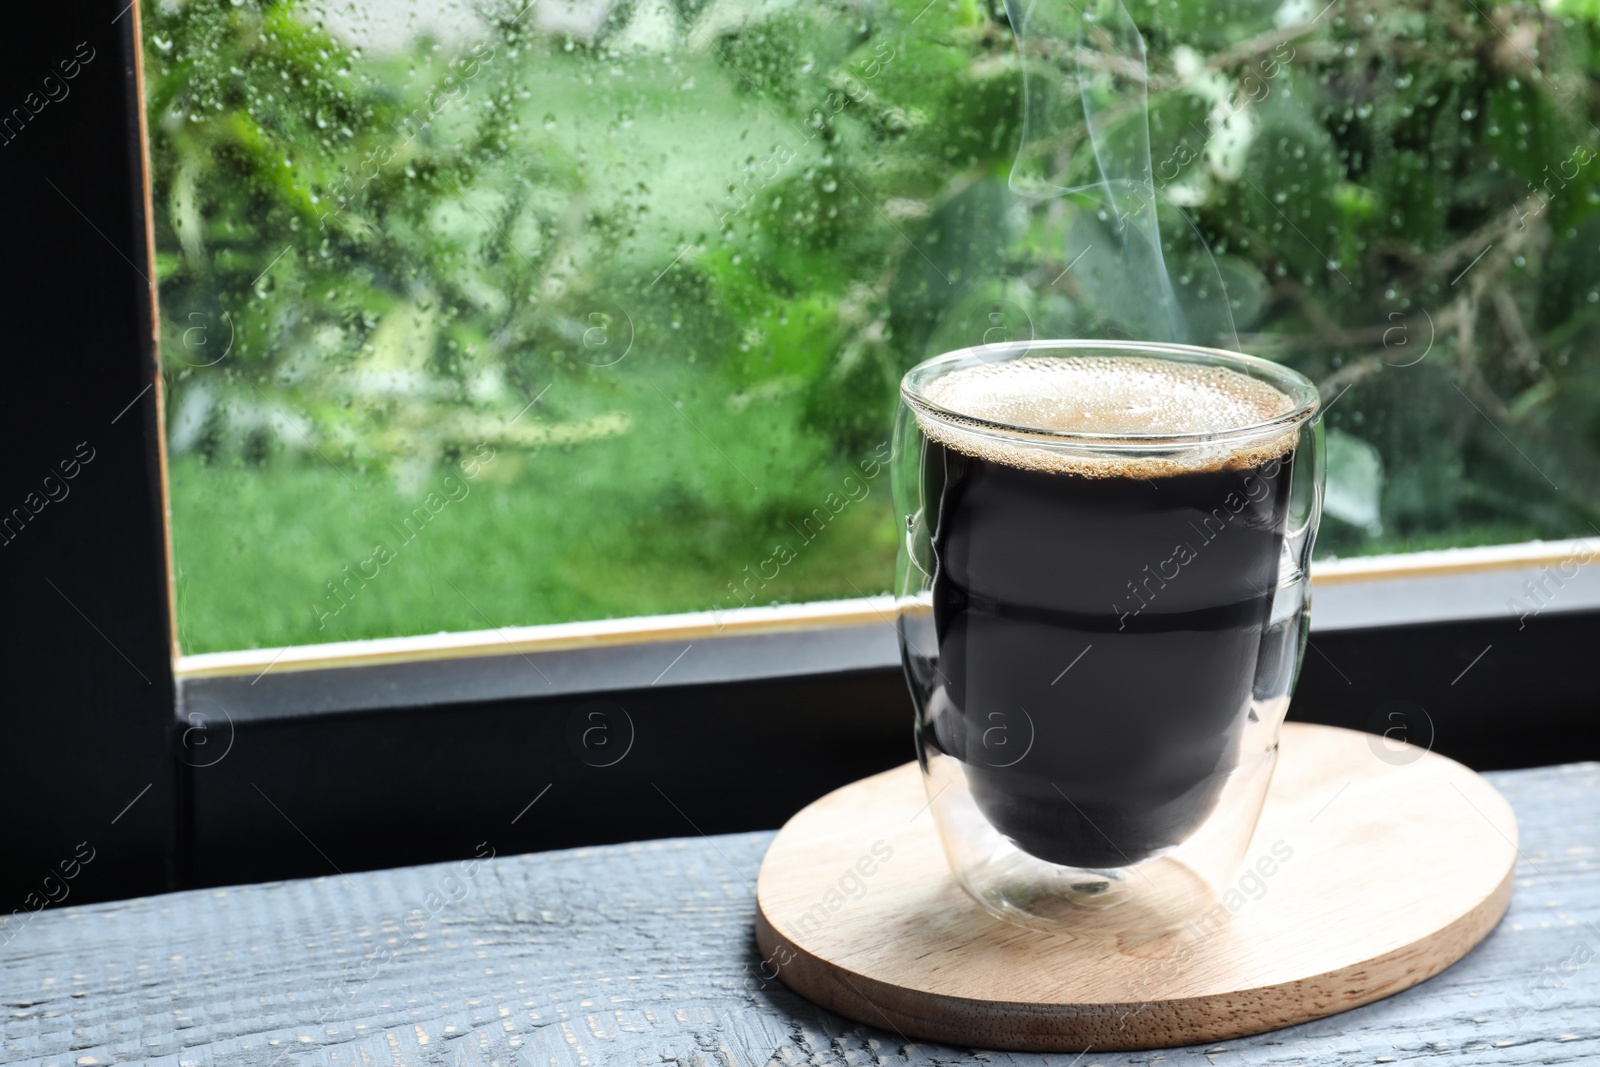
{"x":1102,"y":604}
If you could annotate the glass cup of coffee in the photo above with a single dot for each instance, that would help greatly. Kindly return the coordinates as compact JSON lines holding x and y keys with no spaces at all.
{"x":1102,"y":604}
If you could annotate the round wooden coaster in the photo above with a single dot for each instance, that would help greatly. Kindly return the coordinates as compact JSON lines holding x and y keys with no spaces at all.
{"x":1373,"y":868}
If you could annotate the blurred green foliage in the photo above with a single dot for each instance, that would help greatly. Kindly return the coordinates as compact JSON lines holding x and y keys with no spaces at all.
{"x":668,"y":267}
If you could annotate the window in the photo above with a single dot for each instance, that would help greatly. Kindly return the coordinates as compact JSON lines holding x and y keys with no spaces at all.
{"x":531,"y":314}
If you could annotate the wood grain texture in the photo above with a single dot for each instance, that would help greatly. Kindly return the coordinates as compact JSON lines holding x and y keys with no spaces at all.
{"x":1372,"y":869}
{"x":645,"y":954}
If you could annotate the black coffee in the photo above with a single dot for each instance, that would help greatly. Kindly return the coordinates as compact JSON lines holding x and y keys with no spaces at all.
{"x":1098,"y":621}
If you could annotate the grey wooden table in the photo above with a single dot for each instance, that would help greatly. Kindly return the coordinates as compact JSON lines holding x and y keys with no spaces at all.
{"x":643,"y":954}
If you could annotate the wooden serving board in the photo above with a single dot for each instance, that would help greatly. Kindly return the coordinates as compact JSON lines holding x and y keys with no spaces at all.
{"x":1387,"y":864}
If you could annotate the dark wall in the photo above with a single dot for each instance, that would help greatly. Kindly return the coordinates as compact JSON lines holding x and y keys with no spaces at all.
{"x":383,"y":789}
{"x":1487,"y":693}
{"x":88,"y":693}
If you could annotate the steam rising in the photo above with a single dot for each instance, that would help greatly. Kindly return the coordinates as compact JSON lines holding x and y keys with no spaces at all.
{"x":1086,"y":136}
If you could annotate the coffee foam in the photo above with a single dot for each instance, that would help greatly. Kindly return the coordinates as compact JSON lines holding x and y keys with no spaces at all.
{"x":1117,"y":395}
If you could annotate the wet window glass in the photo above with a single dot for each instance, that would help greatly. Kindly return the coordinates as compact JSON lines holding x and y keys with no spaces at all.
{"x":476,"y":315}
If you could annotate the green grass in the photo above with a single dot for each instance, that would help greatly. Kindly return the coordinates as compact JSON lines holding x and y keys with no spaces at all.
{"x":529,"y":542}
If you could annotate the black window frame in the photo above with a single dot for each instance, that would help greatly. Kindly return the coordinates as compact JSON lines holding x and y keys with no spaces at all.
{"x":177,"y":774}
